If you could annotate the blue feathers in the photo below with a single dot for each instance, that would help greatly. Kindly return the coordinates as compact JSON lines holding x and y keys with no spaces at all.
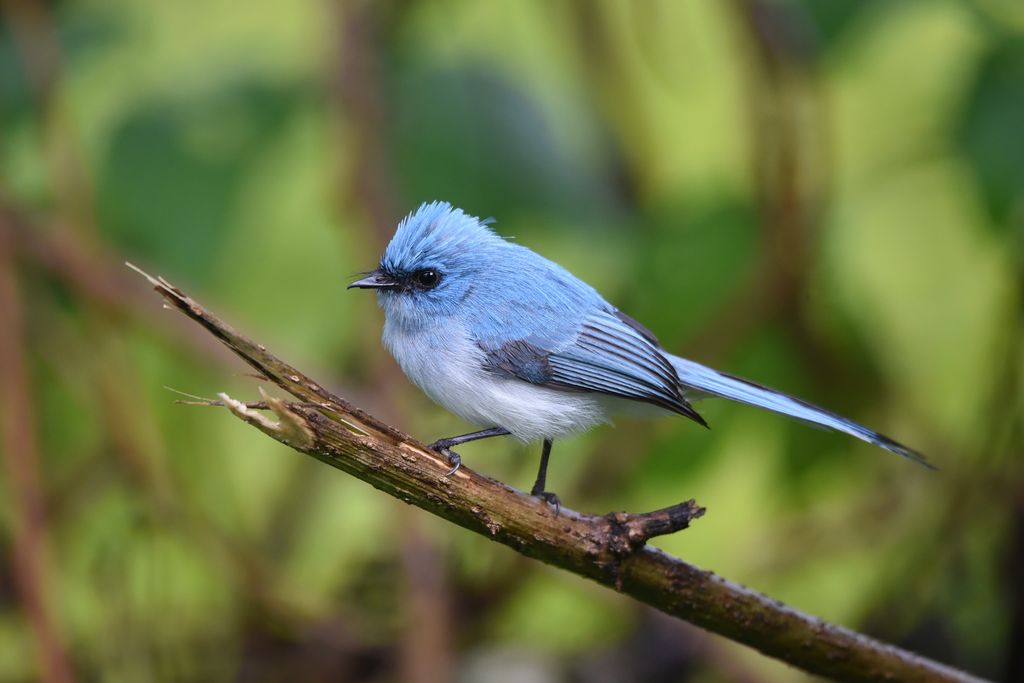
{"x":507,"y":338}
{"x":604,"y":356}
{"x":435,"y":232}
{"x":704,"y":379}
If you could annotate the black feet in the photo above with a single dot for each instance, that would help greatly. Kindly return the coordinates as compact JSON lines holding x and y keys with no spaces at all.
{"x":542,"y":475}
{"x":444,"y":447}
{"x":549,"y":498}
{"x":455,"y":460}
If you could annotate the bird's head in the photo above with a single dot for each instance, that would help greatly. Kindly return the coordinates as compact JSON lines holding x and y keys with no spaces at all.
{"x":429,"y":267}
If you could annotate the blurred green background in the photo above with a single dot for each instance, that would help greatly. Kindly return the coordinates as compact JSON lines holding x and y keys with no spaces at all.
{"x":827,"y":197}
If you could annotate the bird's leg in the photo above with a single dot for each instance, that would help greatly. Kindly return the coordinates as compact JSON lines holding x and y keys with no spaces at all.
{"x":542,"y":475}
{"x":444,"y":446}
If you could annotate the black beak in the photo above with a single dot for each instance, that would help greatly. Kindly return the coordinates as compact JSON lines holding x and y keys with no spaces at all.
{"x":375,"y":280}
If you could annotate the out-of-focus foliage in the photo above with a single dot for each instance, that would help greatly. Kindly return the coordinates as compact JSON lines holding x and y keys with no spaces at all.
{"x":827,"y":197}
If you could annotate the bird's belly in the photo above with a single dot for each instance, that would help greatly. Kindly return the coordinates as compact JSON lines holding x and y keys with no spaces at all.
{"x":448,"y":367}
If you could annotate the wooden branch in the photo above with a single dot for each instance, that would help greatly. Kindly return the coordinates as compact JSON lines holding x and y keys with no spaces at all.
{"x":609,"y":549}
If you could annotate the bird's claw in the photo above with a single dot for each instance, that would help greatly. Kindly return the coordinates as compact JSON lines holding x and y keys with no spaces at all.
{"x":455,"y":461}
{"x":453,"y":458}
{"x":549,"y":498}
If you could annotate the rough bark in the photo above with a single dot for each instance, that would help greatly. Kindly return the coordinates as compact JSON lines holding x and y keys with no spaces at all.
{"x":609,"y":549}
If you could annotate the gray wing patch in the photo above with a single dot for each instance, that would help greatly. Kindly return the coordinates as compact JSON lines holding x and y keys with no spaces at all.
{"x":520,"y":359}
{"x":602,"y":359}
{"x":620,"y":360}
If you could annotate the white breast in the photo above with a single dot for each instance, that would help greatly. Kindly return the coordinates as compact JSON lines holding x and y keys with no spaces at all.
{"x":447,"y":365}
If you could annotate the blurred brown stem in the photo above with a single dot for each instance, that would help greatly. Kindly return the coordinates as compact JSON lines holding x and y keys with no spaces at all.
{"x":790,"y":172}
{"x":368,"y":185}
{"x":610,"y":550}
{"x":20,"y":461}
{"x":73,"y":260}
{"x":37,"y":42}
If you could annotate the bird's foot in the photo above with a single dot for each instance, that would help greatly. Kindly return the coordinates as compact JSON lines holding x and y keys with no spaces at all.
{"x":444,"y":447}
{"x":549,"y":498}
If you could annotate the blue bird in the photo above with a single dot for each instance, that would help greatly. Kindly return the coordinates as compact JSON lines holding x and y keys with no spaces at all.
{"x":516,"y":344}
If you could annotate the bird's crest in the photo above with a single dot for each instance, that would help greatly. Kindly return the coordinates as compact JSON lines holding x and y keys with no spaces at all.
{"x":435,"y":232}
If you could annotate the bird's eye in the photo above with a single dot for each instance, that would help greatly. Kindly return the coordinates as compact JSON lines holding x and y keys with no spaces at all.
{"x":426,"y":278}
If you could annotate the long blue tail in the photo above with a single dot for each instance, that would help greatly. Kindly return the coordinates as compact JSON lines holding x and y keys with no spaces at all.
{"x":704,"y":379}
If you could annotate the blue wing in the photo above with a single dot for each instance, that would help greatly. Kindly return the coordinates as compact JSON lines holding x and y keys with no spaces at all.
{"x":605,"y":356}
{"x":551,"y":329}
